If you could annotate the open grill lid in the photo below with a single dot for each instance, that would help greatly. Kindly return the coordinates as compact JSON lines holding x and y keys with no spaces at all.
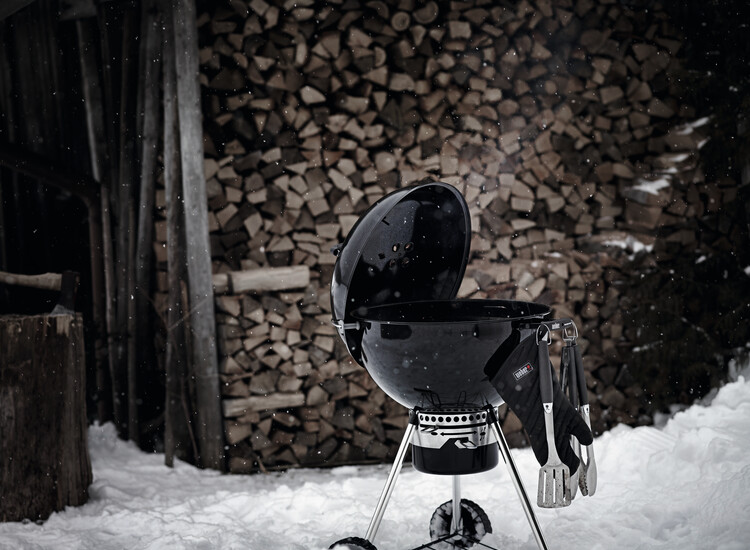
{"x":411,"y":245}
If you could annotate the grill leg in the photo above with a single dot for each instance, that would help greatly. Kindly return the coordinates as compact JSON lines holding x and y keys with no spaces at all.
{"x":385,"y":496}
{"x":456,"y":519}
{"x":508,"y":458}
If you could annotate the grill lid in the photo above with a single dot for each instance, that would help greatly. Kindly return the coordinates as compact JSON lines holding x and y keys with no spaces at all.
{"x":411,"y":245}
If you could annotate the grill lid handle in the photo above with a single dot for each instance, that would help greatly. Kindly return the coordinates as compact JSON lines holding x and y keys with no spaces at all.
{"x":341,"y":326}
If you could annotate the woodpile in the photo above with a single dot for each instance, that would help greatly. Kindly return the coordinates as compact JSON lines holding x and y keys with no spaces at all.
{"x":557,"y":120}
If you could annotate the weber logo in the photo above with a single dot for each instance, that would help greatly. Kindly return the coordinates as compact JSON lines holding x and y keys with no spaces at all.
{"x":523,"y":371}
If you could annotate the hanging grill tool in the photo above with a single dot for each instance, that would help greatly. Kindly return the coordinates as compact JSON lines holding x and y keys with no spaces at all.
{"x":572,"y":366}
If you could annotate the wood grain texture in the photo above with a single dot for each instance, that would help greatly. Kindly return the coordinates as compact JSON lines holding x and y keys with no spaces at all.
{"x":43,"y":423}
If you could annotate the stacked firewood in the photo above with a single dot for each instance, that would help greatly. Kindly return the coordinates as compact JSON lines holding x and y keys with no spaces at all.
{"x":557,"y":120}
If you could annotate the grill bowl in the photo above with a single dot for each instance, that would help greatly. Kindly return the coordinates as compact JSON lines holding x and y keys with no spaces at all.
{"x":439,"y":353}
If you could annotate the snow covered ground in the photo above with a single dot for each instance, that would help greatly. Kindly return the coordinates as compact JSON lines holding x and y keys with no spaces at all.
{"x":683,"y":486}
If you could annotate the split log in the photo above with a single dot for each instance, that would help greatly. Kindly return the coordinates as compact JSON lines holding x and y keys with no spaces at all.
{"x":237,"y":407}
{"x":262,"y":279}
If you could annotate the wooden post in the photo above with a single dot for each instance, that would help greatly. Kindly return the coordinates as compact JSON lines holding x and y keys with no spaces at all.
{"x":97,"y":292}
{"x":94,"y":105}
{"x":202,"y":322}
{"x":179,"y":439}
{"x":110,"y":180}
{"x":149,"y":114}
{"x":42,"y":416}
{"x":125,"y":242}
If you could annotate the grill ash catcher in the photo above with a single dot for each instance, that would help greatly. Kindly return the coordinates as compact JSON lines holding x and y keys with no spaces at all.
{"x":393,"y":298}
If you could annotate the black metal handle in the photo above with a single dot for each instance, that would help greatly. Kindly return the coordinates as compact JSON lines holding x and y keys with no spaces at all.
{"x":583,"y":393}
{"x":545,"y":372}
{"x":569,"y":365}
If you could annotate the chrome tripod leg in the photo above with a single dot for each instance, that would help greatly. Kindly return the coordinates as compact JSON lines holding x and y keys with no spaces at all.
{"x":389,"y":484}
{"x":518,"y":484}
{"x":456,"y":519}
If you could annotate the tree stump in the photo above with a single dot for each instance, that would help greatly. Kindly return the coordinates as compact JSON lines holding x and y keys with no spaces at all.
{"x":44,"y":461}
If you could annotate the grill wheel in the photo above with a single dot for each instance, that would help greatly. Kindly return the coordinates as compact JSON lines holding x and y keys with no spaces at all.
{"x":474,"y":525}
{"x":353,"y":543}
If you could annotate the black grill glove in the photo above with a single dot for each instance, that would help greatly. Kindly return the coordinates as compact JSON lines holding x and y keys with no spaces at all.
{"x":517,"y":382}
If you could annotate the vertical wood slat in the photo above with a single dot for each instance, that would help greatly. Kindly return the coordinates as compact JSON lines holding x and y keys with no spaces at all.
{"x":111,"y":213}
{"x":149,"y":118}
{"x":125,"y":219}
{"x":202,"y":320}
{"x":44,"y":79}
{"x":101,"y":257}
{"x":179,"y":440}
{"x":110,"y":182}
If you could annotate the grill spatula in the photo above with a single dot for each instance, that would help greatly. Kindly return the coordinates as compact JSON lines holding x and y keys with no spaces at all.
{"x":554,"y":476}
{"x":568,"y":380}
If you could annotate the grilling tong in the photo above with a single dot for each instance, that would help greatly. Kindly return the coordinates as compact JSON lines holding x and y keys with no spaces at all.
{"x":557,"y":485}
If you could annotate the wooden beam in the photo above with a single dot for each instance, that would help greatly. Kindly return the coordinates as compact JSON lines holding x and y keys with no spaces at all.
{"x":101,"y":256}
{"x":143,"y":363}
{"x":125,"y":216}
{"x":205,"y":366}
{"x":179,"y":413}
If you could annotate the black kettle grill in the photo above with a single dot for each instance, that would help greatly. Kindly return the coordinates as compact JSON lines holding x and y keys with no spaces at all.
{"x":393,"y":298}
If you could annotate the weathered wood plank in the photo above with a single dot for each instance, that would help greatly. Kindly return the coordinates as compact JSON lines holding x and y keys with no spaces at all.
{"x":101,"y":256}
{"x":179,"y":437}
{"x":149,"y":112}
{"x":202,"y":321}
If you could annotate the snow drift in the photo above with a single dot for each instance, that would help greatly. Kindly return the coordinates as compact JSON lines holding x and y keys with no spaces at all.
{"x":682,"y":486}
